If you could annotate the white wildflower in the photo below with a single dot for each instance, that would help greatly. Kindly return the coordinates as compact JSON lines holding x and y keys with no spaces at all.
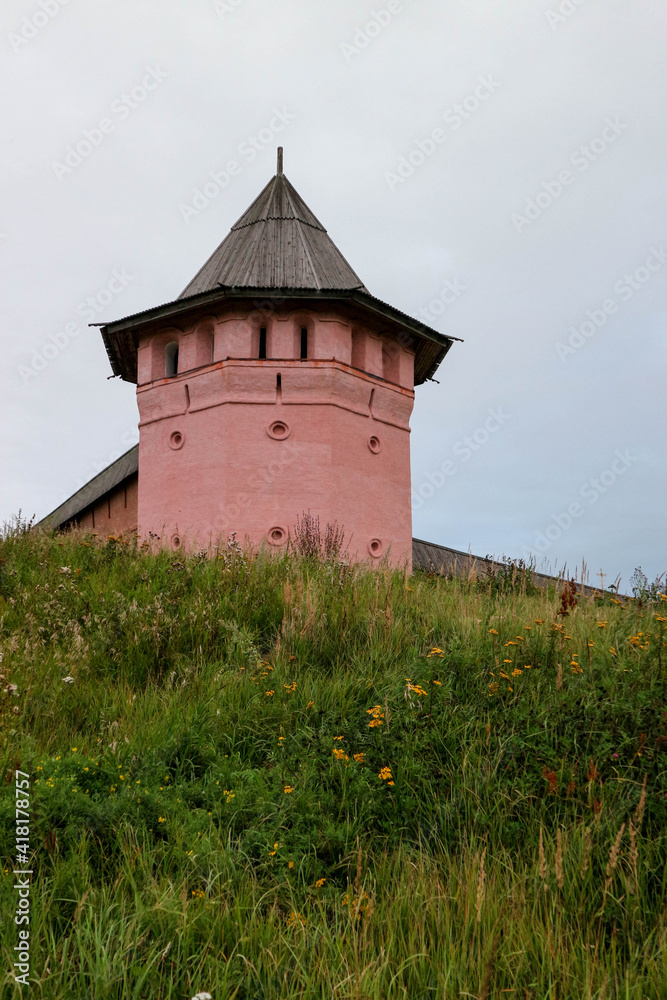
{"x":68,"y":680}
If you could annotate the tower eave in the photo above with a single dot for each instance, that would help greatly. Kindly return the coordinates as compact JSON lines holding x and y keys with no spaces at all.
{"x":121,"y":336}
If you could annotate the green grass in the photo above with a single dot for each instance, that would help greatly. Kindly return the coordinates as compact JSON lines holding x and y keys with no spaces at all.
{"x":192,"y":832}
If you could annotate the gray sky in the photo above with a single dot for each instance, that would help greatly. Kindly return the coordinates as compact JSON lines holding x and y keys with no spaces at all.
{"x":497,"y":170}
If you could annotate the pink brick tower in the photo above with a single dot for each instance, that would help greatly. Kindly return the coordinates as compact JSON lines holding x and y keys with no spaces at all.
{"x":274,"y":385}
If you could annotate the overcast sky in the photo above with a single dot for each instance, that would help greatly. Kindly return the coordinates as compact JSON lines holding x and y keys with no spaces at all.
{"x":497,"y":170}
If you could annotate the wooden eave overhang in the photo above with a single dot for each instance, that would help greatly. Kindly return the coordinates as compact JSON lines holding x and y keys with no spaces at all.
{"x":121,"y":337}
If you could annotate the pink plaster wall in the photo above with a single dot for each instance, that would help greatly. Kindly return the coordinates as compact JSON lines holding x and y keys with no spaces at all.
{"x":196,"y":345}
{"x":283,"y":337}
{"x":234,"y":338}
{"x":115,"y":513}
{"x":212,"y":460}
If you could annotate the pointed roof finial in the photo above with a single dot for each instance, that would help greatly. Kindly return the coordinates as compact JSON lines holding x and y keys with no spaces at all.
{"x":280,"y":160}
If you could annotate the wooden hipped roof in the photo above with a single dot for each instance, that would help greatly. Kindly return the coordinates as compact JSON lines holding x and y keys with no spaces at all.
{"x":277,"y":243}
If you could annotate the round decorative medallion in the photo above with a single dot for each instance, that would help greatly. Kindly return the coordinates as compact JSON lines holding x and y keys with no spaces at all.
{"x":176,"y":440}
{"x":375,"y":547}
{"x":279,"y":430}
{"x":276,"y":535}
{"x":374,"y":444}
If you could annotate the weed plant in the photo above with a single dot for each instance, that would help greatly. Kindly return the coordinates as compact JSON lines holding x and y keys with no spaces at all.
{"x":292,"y":778}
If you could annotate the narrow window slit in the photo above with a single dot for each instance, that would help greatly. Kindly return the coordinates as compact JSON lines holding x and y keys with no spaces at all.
{"x":262,"y":344}
{"x":171,"y":360}
{"x":304,"y":343}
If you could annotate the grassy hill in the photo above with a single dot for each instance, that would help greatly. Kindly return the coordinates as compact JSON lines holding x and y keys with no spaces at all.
{"x":289,"y":778}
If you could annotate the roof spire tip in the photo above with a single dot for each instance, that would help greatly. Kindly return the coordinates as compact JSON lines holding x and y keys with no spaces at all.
{"x":280,"y":160}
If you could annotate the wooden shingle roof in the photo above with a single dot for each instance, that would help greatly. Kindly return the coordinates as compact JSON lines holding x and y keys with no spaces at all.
{"x":277,"y":243}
